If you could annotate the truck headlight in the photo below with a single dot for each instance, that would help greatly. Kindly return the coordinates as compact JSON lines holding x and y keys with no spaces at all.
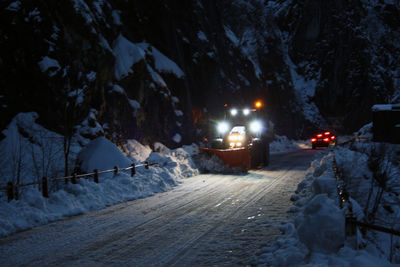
{"x":255,"y":126}
{"x":223,"y":127}
{"x":234,"y":112}
{"x":246,"y":111}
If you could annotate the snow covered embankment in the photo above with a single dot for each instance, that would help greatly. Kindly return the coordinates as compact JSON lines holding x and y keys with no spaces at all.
{"x":282,"y":144}
{"x":66,"y":200}
{"x":317,"y":235}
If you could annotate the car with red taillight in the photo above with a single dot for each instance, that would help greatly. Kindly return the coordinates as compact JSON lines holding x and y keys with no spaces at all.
{"x":323,"y":139}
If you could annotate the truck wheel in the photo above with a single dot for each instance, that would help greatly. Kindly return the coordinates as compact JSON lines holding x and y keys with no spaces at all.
{"x":255,"y":156}
{"x":216,"y":144}
{"x":266,"y":154}
{"x":313,"y":146}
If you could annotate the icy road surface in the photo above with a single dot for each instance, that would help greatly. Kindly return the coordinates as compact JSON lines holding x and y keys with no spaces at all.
{"x":207,"y":220}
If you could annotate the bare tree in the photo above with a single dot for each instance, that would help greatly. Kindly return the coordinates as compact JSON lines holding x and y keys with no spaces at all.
{"x":44,"y":151}
{"x":380,"y":165}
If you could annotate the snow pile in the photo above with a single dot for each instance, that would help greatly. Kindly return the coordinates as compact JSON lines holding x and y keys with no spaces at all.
{"x":71,"y":199}
{"x":283,"y":144}
{"x":365,"y":132}
{"x":323,"y":214}
{"x":101,"y":154}
{"x":135,"y":151}
{"x":213,"y":164}
{"x":317,"y":234}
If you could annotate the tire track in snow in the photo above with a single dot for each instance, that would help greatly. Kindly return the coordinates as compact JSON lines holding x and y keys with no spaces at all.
{"x":189,"y":225}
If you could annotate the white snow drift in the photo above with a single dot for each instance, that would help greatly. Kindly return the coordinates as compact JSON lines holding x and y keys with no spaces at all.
{"x":316,"y":236}
{"x":65,"y":200}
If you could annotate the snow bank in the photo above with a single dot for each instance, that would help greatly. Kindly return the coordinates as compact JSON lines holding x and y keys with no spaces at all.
{"x":365,"y":132}
{"x":317,"y":234}
{"x":321,"y":226}
{"x":283,"y":144}
{"x":213,"y":164}
{"x":66,"y":200}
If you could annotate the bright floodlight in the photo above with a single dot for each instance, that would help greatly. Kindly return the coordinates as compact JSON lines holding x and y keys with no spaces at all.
{"x":246,"y":111}
{"x":234,"y":112}
{"x":223,"y":127}
{"x":255,"y":126}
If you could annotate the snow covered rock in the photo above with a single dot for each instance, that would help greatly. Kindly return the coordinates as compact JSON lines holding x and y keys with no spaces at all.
{"x":158,"y":147}
{"x":136,"y":151}
{"x":101,"y":154}
{"x":365,"y":131}
{"x":322,"y":225}
{"x":325,"y":185}
{"x":126,"y":55}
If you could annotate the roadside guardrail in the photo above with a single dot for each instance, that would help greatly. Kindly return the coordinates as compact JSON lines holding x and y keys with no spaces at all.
{"x":12,"y":189}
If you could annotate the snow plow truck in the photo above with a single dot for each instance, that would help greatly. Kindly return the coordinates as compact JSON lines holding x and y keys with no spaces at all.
{"x":241,"y":139}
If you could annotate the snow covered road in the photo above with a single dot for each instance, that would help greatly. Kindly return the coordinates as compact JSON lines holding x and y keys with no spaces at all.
{"x":207,"y":220}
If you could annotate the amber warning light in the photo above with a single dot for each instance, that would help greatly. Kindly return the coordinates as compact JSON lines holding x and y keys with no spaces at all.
{"x":258,"y":104}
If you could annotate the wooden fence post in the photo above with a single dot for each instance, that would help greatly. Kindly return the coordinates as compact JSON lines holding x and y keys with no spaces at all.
{"x":133,"y":170}
{"x":10,"y":191}
{"x":146,"y":165}
{"x":350,"y":227}
{"x":73,"y":180}
{"x":115,"y":170}
{"x":96,"y":176}
{"x":45,"y":188}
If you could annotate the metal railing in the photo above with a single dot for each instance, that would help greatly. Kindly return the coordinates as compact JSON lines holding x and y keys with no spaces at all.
{"x":12,"y":189}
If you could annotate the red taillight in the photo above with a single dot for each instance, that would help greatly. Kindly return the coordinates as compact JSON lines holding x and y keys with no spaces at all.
{"x":326,"y":139}
{"x":205,"y":140}
{"x":313,"y":139}
{"x":333,"y":137}
{"x":319,"y":135}
{"x":327,"y":133}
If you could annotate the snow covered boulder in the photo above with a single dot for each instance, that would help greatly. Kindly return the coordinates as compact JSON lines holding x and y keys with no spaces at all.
{"x":324,"y":164}
{"x":158,"y":147}
{"x":101,"y":154}
{"x":322,"y":226}
{"x":365,"y":132}
{"x":136,"y":151}
{"x":325,"y":184}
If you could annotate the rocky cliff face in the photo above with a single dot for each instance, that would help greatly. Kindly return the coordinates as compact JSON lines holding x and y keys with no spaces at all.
{"x":150,"y":70}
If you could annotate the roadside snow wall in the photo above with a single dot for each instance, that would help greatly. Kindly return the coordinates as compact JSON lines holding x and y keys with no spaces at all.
{"x":317,"y":235}
{"x":72,"y":199}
